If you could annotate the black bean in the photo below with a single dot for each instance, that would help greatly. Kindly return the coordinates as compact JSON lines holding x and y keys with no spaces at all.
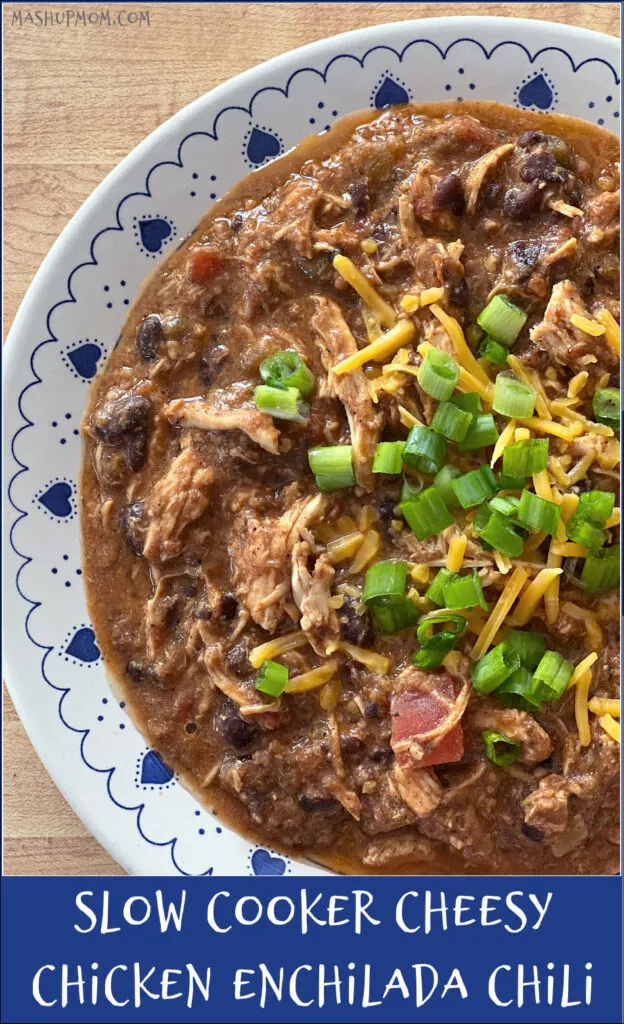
{"x":530,"y":139}
{"x":232,"y":728}
{"x":236,"y":222}
{"x":360,"y":197}
{"x":133,"y":524}
{"x":522,"y":203}
{"x":149,"y":337}
{"x":351,"y":745}
{"x":524,"y":254}
{"x":140,"y":673}
{"x":136,"y":450}
{"x":532,"y":833}
{"x":381,"y":754}
{"x":491,"y":193}
{"x":547,"y":764}
{"x":310,"y":804}
{"x":356,"y":629}
{"x":448,"y":194}
{"x":229,"y":607}
{"x":238,"y":661}
{"x":386,"y":509}
{"x":540,"y":166}
{"x":121,"y":416}
{"x":371,"y":710}
{"x":459,"y":294}
{"x":210,"y":362}
{"x":203,"y":612}
{"x":190,"y":728}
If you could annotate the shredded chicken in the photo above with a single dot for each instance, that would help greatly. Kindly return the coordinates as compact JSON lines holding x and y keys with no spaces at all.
{"x":515,"y":725}
{"x":384,"y":849}
{"x":178,"y":499}
{"x":226,"y":410}
{"x":419,"y":788}
{"x":561,"y":340}
{"x":260,"y":549}
{"x":546,"y":808}
{"x":311,"y":591}
{"x":478,"y":172}
{"x":336,"y":342}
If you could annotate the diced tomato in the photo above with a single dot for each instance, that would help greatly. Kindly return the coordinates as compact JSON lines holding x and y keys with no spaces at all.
{"x":205,"y":263}
{"x":415,"y":713}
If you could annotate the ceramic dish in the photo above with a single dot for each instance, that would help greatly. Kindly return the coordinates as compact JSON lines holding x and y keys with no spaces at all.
{"x":72,"y":316}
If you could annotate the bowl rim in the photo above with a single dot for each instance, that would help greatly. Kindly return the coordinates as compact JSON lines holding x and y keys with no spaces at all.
{"x":71,"y":237}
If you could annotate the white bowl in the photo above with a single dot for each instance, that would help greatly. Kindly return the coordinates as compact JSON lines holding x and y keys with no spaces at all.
{"x":73,"y":314}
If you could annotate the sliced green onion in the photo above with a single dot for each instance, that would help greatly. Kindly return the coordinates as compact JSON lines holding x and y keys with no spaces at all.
{"x":436,"y":646}
{"x":499,"y":749}
{"x":438,"y":374}
{"x":425,"y":631}
{"x":287,"y":368}
{"x":587,"y":525}
{"x":385,"y":579}
{"x":481,"y":433}
{"x":552,"y":675}
{"x":443,"y":481}
{"x":586,"y":532}
{"x":332,"y":466}
{"x":511,"y":483}
{"x":388,"y":457}
{"x":426,"y":515}
{"x":519,"y":691}
{"x":494,"y":668}
{"x":507,"y":506}
{"x":530,"y":647}
{"x":502,"y":320}
{"x":601,"y":570}
{"x":597,"y":505}
{"x":525,"y":458}
{"x":393,"y":614}
{"x":606,"y":406}
{"x":410,"y":488}
{"x":475,"y":487}
{"x":512,"y":397}
{"x":435,"y":591}
{"x":495,"y":529}
{"x":271,"y":678}
{"x":470,"y":402}
{"x":538,"y":513}
{"x":424,"y":450}
{"x":451,"y":422}
{"x":282,"y":403}
{"x":465,"y":592}
{"x":493,"y":351}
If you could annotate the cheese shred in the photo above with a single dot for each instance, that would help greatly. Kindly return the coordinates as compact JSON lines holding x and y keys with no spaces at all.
{"x":348,"y":270}
{"x":499,"y":613}
{"x":378,"y":351}
{"x":456,"y":551}
{"x":273,"y":648}
{"x":456,"y":334}
{"x":527,"y":605}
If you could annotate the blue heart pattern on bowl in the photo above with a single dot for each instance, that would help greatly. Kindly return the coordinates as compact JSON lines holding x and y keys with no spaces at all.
{"x":154,"y":771}
{"x":57,"y":500}
{"x":152,"y":233}
{"x":262,"y":145}
{"x":84,"y":359}
{"x":537,"y":92}
{"x":263,"y":862}
{"x":390,"y":93}
{"x":83,"y":646}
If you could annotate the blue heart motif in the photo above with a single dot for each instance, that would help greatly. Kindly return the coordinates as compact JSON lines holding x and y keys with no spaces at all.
{"x":83,"y":646}
{"x":153,"y":233}
{"x":56,"y":499}
{"x":84,"y":359}
{"x":536,"y":93}
{"x":390,"y":93}
{"x":264,"y":863}
{"x":262,"y":146}
{"x":155,"y":772}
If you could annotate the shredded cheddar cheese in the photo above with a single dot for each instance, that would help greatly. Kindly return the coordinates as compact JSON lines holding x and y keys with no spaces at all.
{"x":464,"y":354}
{"x":369,"y":246}
{"x":605,"y":706}
{"x":610,"y":726}
{"x":348,"y":270}
{"x":329,"y":695}
{"x":533,"y":381}
{"x":504,"y":439}
{"x":344,"y":547}
{"x":587,"y":326}
{"x":499,"y":613}
{"x":557,"y":470}
{"x":408,"y":419}
{"x":541,"y":483}
{"x":580,"y":670}
{"x":577,"y":384}
{"x":410,"y":303}
{"x":336,"y":601}
{"x":378,"y":351}
{"x":367,"y":551}
{"x":311,"y":680}
{"x":503,"y":562}
{"x":580,"y":470}
{"x":565,"y":412}
{"x":614,"y":519}
{"x":376,"y":662}
{"x":550,"y":427}
{"x":522,"y":434}
{"x":431,"y":295}
{"x":527,"y":605}
{"x":273,"y":648}
{"x":466,"y":382}
{"x":612,"y":329}
{"x":568,"y":549}
{"x":456,"y":551}
{"x":580,"y":709}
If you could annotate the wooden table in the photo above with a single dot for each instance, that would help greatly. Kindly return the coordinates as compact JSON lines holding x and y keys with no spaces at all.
{"x":64,"y":89}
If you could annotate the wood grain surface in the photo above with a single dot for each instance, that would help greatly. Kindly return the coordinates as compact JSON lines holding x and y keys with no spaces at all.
{"x":77,"y":99}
